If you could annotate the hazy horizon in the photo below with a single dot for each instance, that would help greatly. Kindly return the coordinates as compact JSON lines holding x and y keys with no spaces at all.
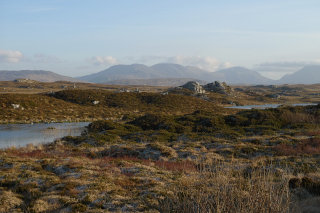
{"x":77,"y":38}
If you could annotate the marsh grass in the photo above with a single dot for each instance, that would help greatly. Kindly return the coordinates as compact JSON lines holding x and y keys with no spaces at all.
{"x":219,"y":188}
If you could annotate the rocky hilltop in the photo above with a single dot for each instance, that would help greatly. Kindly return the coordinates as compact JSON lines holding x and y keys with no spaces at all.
{"x":216,"y":86}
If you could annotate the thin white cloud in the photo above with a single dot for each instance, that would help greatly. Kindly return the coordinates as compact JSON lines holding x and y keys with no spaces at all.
{"x":104,"y":60}
{"x":274,"y":75}
{"x":284,"y":66}
{"x":10,"y":56}
{"x":276,"y":70}
{"x":206,"y":63}
{"x":203,"y":62}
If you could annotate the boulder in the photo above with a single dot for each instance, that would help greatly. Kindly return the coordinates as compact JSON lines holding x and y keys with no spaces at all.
{"x":194,"y":86}
{"x":15,"y":106}
{"x":218,"y":87}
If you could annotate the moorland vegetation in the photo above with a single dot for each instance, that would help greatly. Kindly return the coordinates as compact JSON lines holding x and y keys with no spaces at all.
{"x":153,"y":152}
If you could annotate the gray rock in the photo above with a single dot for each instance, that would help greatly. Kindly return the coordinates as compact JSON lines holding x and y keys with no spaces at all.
{"x":130,"y":170}
{"x":274,"y":96}
{"x":7,"y":166}
{"x":218,"y":87}
{"x":15,"y":106}
{"x":60,"y":170}
{"x":194,"y":86}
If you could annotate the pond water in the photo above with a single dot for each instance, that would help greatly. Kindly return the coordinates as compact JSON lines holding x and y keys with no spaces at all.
{"x":266,"y":106}
{"x":39,"y":133}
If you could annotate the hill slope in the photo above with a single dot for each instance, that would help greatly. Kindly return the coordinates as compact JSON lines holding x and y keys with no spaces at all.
{"x":140,"y":71}
{"x":38,"y":75}
{"x":119,"y":72}
{"x":307,"y":75}
{"x":240,"y":75}
{"x":167,"y":70}
{"x":155,"y":81}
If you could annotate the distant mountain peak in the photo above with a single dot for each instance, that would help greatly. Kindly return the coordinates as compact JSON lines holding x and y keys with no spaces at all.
{"x":241,"y":75}
{"x":168,"y":64}
{"x":307,"y":75}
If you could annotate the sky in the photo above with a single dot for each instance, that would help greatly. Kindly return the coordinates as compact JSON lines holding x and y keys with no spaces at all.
{"x":75,"y":38}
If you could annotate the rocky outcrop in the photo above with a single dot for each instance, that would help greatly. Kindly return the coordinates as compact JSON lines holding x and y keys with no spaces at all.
{"x":194,"y":86}
{"x":25,"y":80}
{"x":218,"y":87}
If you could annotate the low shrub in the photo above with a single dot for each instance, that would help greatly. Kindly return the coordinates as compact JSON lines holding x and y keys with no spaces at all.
{"x":309,"y":147}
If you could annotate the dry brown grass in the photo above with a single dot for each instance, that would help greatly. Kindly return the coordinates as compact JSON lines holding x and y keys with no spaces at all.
{"x":298,"y":117}
{"x":9,"y":201}
{"x":221,"y":189}
{"x":43,"y":87}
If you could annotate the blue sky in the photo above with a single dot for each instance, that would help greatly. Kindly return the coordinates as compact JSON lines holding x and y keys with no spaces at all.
{"x":79,"y":37}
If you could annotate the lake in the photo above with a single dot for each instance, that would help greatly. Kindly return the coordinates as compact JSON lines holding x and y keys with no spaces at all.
{"x":266,"y":106}
{"x":39,"y":133}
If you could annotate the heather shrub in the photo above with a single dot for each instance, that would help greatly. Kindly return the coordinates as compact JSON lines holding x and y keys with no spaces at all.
{"x":305,"y":147}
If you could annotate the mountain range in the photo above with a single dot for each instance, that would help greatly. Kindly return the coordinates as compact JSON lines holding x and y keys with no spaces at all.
{"x":129,"y":73}
{"x":38,"y":75}
{"x":166,"y":74}
{"x":140,"y":71}
{"x":155,"y":81}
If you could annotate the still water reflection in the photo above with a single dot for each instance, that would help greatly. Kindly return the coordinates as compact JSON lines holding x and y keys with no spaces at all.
{"x":23,"y":134}
{"x":266,"y":106}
